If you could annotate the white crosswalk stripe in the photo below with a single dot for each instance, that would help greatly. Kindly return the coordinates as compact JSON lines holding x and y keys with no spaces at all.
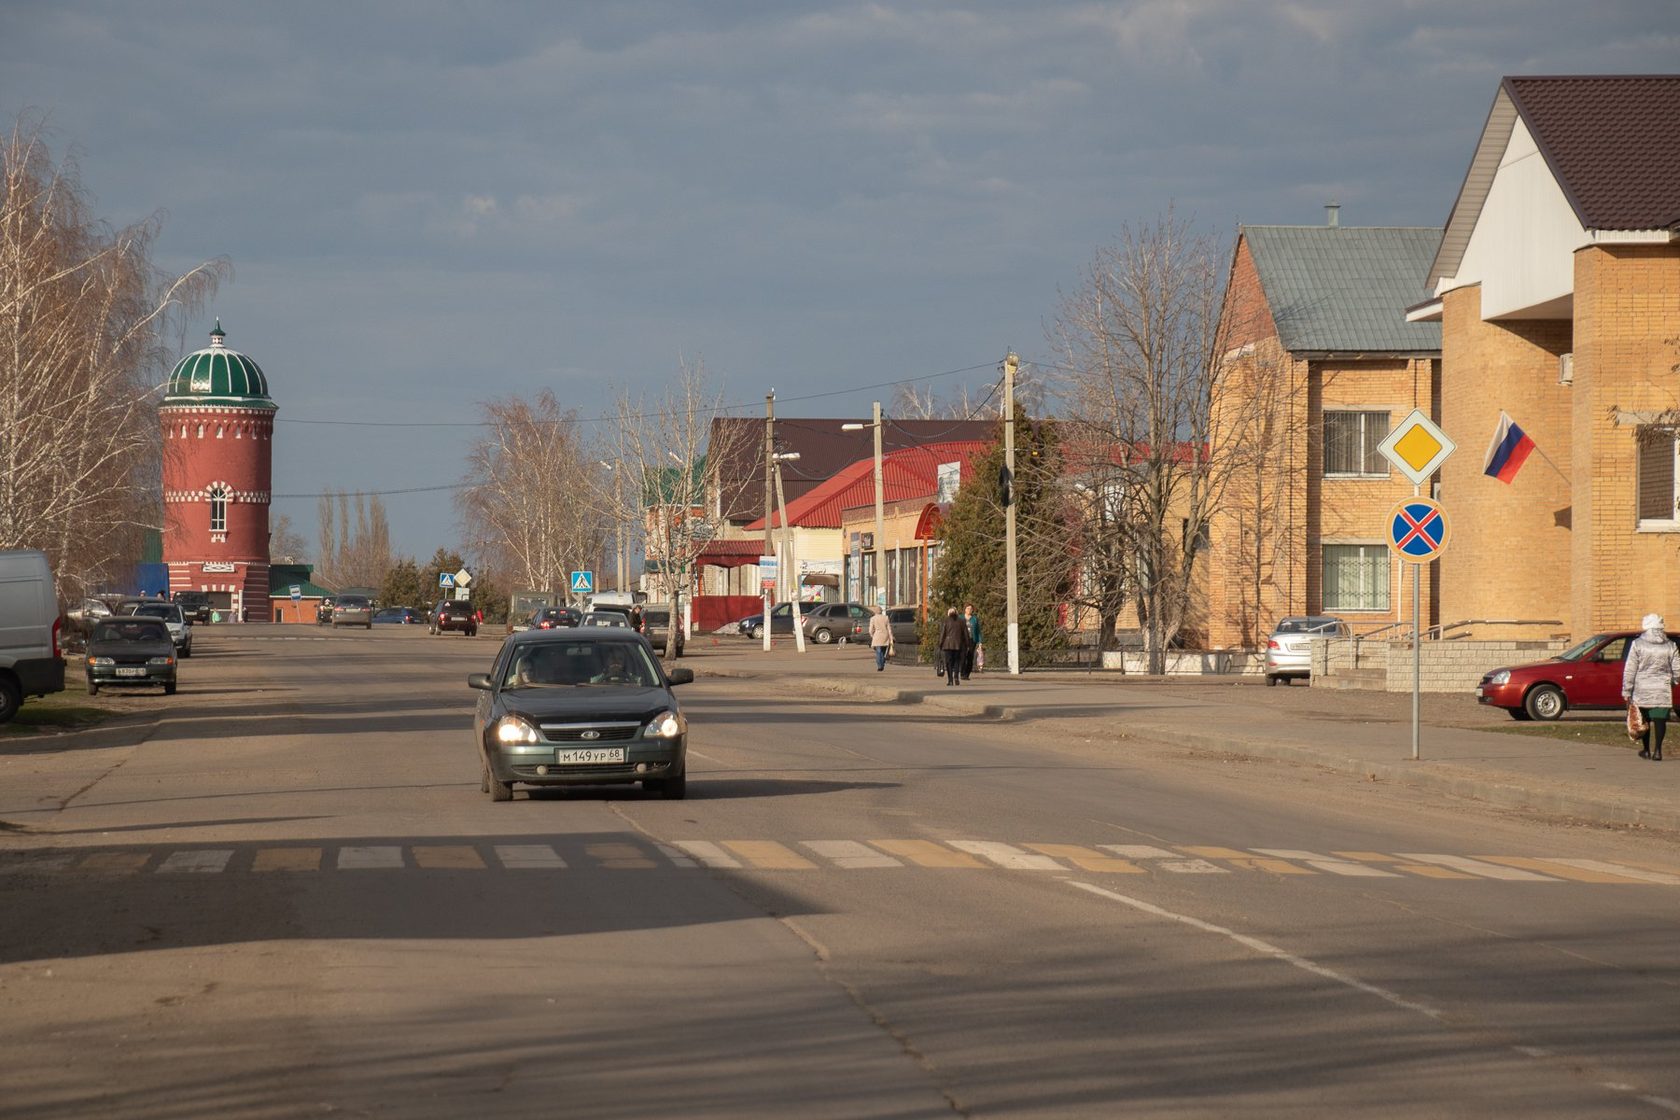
{"x":1477,"y":867}
{"x":850,"y":854}
{"x":1159,"y":859}
{"x":1619,"y":869}
{"x":1138,"y":851}
{"x":677,"y":858}
{"x":199,"y":862}
{"x":707,"y":853}
{"x":369,"y":858}
{"x":1328,"y":863}
{"x":518,"y":857}
{"x":1006,"y":856}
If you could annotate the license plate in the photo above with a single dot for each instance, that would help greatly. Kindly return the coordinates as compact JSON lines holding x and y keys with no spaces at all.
{"x":134,"y":672}
{"x":589,"y":754}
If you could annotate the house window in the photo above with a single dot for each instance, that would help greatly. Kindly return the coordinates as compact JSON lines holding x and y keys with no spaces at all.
{"x":1356,"y":577}
{"x":1658,"y":508}
{"x":218,"y":510}
{"x":1350,"y":443}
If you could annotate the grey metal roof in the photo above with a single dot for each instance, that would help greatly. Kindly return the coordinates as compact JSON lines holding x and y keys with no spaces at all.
{"x":1346,"y":288}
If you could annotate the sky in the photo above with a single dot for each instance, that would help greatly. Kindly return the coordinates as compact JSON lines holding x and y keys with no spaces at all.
{"x":428,"y":205}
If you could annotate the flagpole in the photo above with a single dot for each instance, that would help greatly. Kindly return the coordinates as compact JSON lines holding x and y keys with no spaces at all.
{"x":1553,"y":465}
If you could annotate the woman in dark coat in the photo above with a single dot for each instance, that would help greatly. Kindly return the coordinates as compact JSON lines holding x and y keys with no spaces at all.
{"x":953,"y":643}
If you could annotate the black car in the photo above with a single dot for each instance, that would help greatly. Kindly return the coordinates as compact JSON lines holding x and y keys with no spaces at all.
{"x":580,"y":707}
{"x":128,"y":652}
{"x":459,"y":616}
{"x":400,"y":616}
{"x":194,"y":604}
{"x":549,"y":618}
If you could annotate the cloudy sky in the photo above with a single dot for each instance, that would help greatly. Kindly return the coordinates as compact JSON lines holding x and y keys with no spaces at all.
{"x":432,"y":204}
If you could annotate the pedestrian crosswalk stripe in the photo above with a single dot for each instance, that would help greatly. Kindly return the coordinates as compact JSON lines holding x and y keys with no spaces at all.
{"x":519,"y":857}
{"x":1088,"y":860}
{"x":925,"y":853}
{"x":1324,"y":863}
{"x":1423,"y":870}
{"x":367,"y":858}
{"x":1161,"y":860}
{"x":620,"y":857}
{"x":287,"y":859}
{"x":769,"y":855}
{"x":707,"y":853}
{"x":1477,"y":867}
{"x":114,"y":863}
{"x":849,"y":854}
{"x":1561,"y":870}
{"x":676,"y":857}
{"x":1007,"y":856}
{"x":453,"y":857}
{"x":1634,"y":871}
{"x":1248,"y":861}
{"x":1647,"y":865}
{"x":36,"y":864}
{"x":199,"y":861}
{"x":1139,"y":851}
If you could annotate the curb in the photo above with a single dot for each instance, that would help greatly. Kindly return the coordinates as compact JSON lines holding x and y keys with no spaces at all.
{"x":1438,"y":777}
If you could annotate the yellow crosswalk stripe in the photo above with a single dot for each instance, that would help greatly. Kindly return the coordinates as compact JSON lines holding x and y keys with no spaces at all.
{"x":1561,"y":870}
{"x":286,"y":859}
{"x":114,"y":863}
{"x":1086,"y":859}
{"x":925,"y":853}
{"x":620,"y":857}
{"x":769,"y":855}
{"x":448,"y":857}
{"x":1248,"y":860}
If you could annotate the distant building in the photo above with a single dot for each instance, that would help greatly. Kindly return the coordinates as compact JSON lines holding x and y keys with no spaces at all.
{"x":218,"y":430}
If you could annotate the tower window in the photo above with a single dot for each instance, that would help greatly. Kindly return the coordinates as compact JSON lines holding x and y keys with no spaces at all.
{"x":218,"y":510}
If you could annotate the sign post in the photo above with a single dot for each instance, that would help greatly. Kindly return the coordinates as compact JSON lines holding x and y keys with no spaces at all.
{"x":767,"y":582}
{"x":1417,"y":529}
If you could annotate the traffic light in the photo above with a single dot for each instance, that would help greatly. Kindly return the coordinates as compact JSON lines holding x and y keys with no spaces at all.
{"x":1005,"y":497}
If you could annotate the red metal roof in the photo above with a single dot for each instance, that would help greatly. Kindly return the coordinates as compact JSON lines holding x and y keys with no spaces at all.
{"x":730,"y":553}
{"x":906,"y":474}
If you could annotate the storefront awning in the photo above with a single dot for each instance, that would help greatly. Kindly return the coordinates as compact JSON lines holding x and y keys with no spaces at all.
{"x":931,"y":522}
{"x":730,"y":553}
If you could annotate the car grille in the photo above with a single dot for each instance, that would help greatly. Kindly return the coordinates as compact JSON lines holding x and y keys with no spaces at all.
{"x":604,"y":732}
{"x":626,"y":768}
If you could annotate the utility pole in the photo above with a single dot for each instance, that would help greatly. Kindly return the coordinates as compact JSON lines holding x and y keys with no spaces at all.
{"x":880,"y":520}
{"x":788,"y":560}
{"x":1013,"y":617}
{"x":769,"y":463}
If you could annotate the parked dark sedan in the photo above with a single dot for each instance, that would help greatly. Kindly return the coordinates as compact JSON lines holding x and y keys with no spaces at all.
{"x":1587,"y":675}
{"x":130,"y":652}
{"x":580,"y":707}
{"x":400,"y":616}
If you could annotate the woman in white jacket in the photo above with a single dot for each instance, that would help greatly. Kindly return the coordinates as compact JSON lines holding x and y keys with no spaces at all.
{"x":1648,"y":677}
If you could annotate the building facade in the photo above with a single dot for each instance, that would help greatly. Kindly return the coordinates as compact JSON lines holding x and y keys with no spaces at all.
{"x":218,"y":428}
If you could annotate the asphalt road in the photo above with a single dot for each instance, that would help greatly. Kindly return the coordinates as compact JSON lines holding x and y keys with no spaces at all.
{"x":293,"y":900}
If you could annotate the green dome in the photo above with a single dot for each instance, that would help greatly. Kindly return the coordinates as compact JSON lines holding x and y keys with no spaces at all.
{"x":217,"y":375}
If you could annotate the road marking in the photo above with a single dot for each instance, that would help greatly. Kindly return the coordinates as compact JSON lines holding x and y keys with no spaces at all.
{"x":1088,"y":860}
{"x":1138,"y":851}
{"x":1477,"y":867}
{"x":448,"y":857}
{"x":925,"y":853}
{"x":620,"y":857}
{"x":769,"y":855}
{"x":676,"y":857}
{"x":114,"y":863}
{"x":206,"y":861}
{"x":369,"y":858}
{"x":707,"y":853}
{"x":286,"y":859}
{"x":36,"y":863}
{"x":1248,"y":862}
{"x":849,"y":854}
{"x":1007,"y":856}
{"x":1324,"y":863}
{"x":1619,"y":869}
{"x":1560,"y":870}
{"x":1647,"y":865}
{"x":1162,"y":860}
{"x":1399,"y":864}
{"x":523,"y":857}
{"x":1266,"y":949}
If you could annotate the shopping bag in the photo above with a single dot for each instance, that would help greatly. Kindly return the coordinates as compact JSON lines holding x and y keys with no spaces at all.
{"x":979,"y":657}
{"x":1635,"y":721}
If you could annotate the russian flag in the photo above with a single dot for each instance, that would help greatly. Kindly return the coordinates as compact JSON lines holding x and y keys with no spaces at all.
{"x":1508,"y":451}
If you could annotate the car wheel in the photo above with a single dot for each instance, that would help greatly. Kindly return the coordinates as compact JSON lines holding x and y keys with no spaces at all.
{"x":369,"y":626}
{"x":1545,"y":702}
{"x":499,"y":791}
{"x":756,"y":632}
{"x":169,"y":689}
{"x":11,"y":699}
{"x":93,"y":689}
{"x":186,"y":651}
{"x":675,"y":789}
{"x":1271,"y":681}
{"x":823,"y":636}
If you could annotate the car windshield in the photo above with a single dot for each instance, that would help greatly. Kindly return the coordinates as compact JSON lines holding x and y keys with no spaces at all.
{"x":1306,"y":626}
{"x":1579,"y":651}
{"x":167,"y":611}
{"x":129,"y":631}
{"x":353,"y":603}
{"x":581,"y":664}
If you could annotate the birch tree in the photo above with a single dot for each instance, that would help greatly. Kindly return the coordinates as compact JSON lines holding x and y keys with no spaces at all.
{"x":84,"y":319}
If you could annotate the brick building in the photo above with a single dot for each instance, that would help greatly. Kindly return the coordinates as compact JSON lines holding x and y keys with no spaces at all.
{"x":1557,"y":287}
{"x":1320,"y":363}
{"x":218,"y":428}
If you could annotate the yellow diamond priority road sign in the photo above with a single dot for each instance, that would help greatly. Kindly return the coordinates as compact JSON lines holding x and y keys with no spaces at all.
{"x":1416,"y":447}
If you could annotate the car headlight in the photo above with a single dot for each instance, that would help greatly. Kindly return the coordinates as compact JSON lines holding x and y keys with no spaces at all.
{"x":514,"y":729}
{"x":101,"y":661}
{"x":160,"y":661}
{"x":1499,"y":676}
{"x":665,"y":725}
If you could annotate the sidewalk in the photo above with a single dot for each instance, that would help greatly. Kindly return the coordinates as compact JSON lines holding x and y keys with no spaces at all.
{"x":1363,"y":733}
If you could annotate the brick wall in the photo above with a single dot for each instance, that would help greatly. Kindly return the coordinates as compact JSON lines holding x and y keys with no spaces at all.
{"x":1448,"y":666}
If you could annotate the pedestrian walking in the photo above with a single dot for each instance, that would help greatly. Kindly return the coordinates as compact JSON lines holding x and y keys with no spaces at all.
{"x":880,"y":637}
{"x":971,"y":656}
{"x":1648,"y":678}
{"x":953,"y":643}
{"x":636,"y":618}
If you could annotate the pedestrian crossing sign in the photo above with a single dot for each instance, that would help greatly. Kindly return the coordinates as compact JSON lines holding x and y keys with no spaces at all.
{"x":583,"y":583}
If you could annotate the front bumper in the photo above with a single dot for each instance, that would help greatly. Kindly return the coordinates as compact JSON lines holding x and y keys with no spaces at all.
{"x":644,"y":759}
{"x":1500,"y":695}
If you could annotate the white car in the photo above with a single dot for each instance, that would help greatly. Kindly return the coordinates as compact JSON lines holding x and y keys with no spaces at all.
{"x":1289,"y":649}
{"x":180,"y":630}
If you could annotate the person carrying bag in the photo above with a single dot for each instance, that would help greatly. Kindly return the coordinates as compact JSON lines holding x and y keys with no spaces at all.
{"x":1649,"y":674}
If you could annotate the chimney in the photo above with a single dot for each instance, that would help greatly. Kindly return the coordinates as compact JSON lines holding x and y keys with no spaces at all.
{"x":1332,"y":214}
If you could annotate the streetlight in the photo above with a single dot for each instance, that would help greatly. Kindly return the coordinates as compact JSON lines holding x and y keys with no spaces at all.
{"x":776,"y":460}
{"x":880,"y":506}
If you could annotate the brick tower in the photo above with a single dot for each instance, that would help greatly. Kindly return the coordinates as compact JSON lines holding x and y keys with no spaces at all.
{"x":218,"y":427}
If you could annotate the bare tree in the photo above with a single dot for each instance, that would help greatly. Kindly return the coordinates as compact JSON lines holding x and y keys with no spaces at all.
{"x":83,"y":321}
{"x":285,"y":544}
{"x":353,"y":554}
{"x":1139,"y":341}
{"x":531,"y":504}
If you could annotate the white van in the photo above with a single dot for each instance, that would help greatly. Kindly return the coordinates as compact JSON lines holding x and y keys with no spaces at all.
{"x":30,"y":661}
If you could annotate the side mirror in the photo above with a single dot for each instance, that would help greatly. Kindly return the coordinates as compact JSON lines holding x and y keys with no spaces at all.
{"x":480,"y":681}
{"x":680,"y":676}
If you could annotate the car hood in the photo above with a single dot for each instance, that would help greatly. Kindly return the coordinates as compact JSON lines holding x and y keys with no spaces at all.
{"x":581,"y":703}
{"x":131,"y":649}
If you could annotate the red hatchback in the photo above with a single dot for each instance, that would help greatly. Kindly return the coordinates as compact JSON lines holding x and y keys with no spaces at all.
{"x":1588,"y":675}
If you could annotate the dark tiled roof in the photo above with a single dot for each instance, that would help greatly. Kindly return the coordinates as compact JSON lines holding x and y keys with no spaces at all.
{"x":1613,"y":141}
{"x":1346,"y":288}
